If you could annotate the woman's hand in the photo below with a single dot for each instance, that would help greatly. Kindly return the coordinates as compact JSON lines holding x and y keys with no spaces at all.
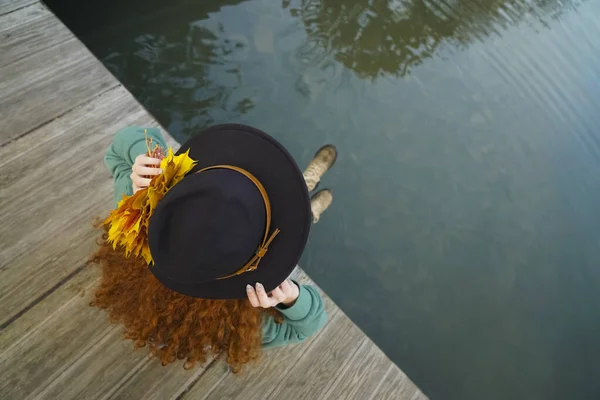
{"x":287,"y":293}
{"x":144,"y":169}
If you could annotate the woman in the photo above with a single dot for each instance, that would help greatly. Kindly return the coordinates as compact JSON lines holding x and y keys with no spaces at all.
{"x":201,"y":270}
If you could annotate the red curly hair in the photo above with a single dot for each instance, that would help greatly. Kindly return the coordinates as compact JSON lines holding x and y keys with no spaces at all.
{"x":173,"y":325}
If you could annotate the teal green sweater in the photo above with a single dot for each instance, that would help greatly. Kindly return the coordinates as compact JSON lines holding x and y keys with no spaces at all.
{"x":301,"y":320}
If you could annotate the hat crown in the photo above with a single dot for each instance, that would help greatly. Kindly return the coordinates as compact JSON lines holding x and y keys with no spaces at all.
{"x":212,"y":230}
{"x":261,"y":160}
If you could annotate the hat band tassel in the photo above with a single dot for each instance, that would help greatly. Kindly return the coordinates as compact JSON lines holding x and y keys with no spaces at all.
{"x":252,"y":265}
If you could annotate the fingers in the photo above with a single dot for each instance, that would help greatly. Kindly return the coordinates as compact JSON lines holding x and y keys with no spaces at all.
{"x":286,"y":286}
{"x":139,"y":181}
{"x":289,"y":288}
{"x":258,"y":297}
{"x":143,"y":159}
{"x":263,"y":298}
{"x":143,"y":170}
{"x":146,"y":171}
{"x":278,"y":295}
{"x":291,"y":292}
{"x":252,"y":296}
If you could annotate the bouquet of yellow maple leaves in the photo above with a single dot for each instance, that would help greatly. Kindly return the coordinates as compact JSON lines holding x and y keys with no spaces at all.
{"x":128,"y":223}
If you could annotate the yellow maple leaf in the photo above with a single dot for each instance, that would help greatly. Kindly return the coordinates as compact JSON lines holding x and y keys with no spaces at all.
{"x":128,"y":223}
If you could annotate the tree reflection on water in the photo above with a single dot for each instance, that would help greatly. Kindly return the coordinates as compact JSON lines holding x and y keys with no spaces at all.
{"x":389,"y":37}
{"x":171,"y":75}
{"x":188,"y":62}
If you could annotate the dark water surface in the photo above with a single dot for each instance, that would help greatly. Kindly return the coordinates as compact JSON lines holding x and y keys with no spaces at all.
{"x":464,"y":237}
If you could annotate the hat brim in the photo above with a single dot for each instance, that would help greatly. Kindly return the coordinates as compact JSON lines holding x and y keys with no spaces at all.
{"x":264,"y":157}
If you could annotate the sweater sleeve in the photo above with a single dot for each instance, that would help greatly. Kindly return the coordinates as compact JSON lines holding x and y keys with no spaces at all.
{"x":302,"y":320}
{"x":127,"y":144}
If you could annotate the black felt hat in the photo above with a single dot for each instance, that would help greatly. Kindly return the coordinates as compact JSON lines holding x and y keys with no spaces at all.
{"x":241,"y":216}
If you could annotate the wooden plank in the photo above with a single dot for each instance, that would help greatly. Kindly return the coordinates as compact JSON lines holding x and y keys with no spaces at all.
{"x":361,"y":374}
{"x":65,"y":352}
{"x":63,"y":161}
{"x":81,"y":285}
{"x":300,"y":276}
{"x":155,"y":382}
{"x":28,"y":31}
{"x":46,"y":349}
{"x":110,"y":358}
{"x":396,"y":385}
{"x":311,"y":375}
{"x":47,"y":84}
{"x":7,"y":6}
{"x":23,"y":16}
{"x":206,"y":384}
{"x":257,"y":381}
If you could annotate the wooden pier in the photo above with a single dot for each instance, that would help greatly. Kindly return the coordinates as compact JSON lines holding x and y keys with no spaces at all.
{"x":59,"y":109}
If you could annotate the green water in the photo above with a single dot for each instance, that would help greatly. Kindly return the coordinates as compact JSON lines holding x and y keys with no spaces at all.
{"x":464,"y":237}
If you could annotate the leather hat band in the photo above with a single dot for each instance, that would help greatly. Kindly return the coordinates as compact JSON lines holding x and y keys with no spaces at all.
{"x":252,"y":264}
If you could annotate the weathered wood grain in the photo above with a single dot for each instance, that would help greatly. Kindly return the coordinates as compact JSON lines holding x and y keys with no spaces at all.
{"x":206,"y":383}
{"x":94,"y":371}
{"x":257,"y":381}
{"x":33,"y":31}
{"x":39,"y":357}
{"x":360,"y":375}
{"x":7,"y":6}
{"x":52,"y":186}
{"x":154,"y":382}
{"x":42,"y":86}
{"x":396,"y":385}
{"x":312,"y":374}
{"x":24,"y":16}
{"x":300,"y":276}
{"x":81,"y":285}
{"x":72,"y":353}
